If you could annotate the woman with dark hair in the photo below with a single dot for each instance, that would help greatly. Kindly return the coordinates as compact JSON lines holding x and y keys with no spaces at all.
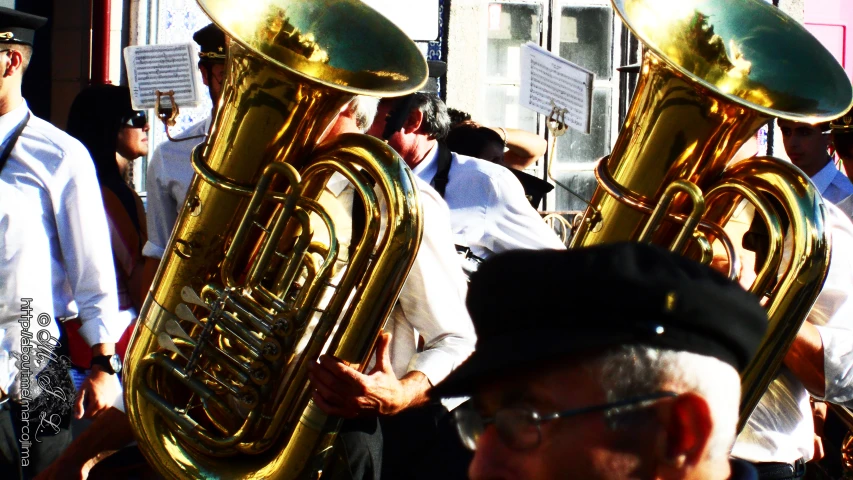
{"x":102,"y":118}
{"x":514,"y":149}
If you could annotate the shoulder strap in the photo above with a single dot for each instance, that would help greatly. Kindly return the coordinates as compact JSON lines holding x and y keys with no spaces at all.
{"x":442,"y":174}
{"x":10,"y":144}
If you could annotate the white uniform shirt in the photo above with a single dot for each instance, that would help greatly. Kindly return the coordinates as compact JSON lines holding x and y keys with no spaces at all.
{"x":846,"y":206}
{"x":833,"y":185}
{"x":781,"y":428}
{"x":170,"y":172}
{"x":432,"y":301}
{"x":23,"y":221}
{"x":489,"y":212}
{"x":56,"y":179}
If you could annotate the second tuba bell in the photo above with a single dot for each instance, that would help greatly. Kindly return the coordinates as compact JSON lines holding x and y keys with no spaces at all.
{"x":714,"y":72}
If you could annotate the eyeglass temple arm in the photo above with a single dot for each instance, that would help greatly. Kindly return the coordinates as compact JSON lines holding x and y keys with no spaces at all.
{"x":609,"y":406}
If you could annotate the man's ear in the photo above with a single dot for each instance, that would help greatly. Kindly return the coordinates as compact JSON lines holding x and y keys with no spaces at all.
{"x":204,"y":75}
{"x":688,"y":430}
{"x":16,"y":62}
{"x":413,"y":123}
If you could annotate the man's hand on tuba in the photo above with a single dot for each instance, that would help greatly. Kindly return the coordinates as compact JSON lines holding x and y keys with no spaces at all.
{"x":343,"y":391}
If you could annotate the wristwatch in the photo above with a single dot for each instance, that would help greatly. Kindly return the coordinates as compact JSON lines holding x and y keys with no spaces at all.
{"x":110,"y":363}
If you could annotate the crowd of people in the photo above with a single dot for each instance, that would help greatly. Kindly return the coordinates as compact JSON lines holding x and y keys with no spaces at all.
{"x":482,"y":371}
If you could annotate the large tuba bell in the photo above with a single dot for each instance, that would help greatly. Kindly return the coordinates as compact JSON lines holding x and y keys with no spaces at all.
{"x":714,"y":71}
{"x":246,"y":295}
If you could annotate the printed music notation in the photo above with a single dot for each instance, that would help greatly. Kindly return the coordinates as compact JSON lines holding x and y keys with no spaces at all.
{"x":162,"y":67}
{"x":547,"y":78}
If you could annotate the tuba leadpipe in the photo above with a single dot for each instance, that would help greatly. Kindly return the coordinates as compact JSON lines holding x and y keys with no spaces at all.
{"x":714,"y":72}
{"x":247,"y":295}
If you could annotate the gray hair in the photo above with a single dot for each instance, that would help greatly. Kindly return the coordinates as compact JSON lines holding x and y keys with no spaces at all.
{"x":436,"y":121}
{"x":635,"y":370}
{"x":363,"y":109}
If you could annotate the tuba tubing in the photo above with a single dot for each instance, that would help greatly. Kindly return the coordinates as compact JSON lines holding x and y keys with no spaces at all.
{"x":711,"y":77}
{"x":248,"y":294}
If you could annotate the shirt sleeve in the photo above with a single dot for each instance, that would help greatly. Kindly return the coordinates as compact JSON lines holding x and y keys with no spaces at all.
{"x":440,"y":316}
{"x":832,"y":313}
{"x":511,"y":222}
{"x":162,"y":208}
{"x":85,"y":244}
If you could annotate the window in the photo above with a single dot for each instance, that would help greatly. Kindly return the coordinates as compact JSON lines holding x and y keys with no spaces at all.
{"x":585,"y":32}
{"x":510,"y":25}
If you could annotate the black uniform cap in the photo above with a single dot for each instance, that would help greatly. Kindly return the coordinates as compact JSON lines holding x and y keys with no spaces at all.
{"x":211,"y":42}
{"x":18,"y":27}
{"x":530,"y":307}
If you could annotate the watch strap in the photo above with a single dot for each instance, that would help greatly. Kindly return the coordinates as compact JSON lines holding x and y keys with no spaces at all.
{"x":105,"y":362}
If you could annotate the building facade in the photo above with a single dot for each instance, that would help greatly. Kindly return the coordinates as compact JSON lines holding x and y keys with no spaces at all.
{"x":479,"y":39}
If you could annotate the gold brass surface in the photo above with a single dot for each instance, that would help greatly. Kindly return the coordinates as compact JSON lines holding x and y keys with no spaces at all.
{"x":714,"y":72}
{"x":246,"y":296}
{"x":791,"y":297}
{"x":343,"y":44}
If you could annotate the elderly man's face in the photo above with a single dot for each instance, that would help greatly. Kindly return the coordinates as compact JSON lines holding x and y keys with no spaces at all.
{"x":582,"y":446}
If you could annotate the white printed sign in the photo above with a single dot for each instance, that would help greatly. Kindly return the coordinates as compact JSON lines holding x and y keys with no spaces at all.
{"x":548,"y":80}
{"x":416,"y":18}
{"x":165,"y":68}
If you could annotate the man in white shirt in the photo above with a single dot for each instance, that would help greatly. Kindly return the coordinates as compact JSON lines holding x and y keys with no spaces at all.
{"x":57,"y":244}
{"x":169,"y":169}
{"x":779,"y":435}
{"x":807,"y":147}
{"x":489,"y":212}
{"x":431,"y":307}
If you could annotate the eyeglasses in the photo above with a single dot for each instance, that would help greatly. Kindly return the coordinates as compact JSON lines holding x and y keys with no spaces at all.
{"x":137,"y":119}
{"x":519,"y":427}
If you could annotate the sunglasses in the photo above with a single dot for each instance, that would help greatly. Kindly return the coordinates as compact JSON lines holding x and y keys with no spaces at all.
{"x":137,"y":119}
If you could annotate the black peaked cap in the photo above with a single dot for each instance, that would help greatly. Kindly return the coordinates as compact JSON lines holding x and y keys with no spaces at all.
{"x":18,"y":27}
{"x":530,"y":307}
{"x":211,"y":42}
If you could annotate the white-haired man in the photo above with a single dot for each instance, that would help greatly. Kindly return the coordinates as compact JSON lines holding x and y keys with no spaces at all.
{"x":428,"y":334}
{"x":646,"y":387}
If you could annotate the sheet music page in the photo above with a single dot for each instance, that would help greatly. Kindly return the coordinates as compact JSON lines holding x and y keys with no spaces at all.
{"x":164,"y":68}
{"x":545,"y":77}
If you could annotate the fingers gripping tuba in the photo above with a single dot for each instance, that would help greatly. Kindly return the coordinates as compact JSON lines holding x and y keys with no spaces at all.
{"x":714,"y":71}
{"x":248,"y":294}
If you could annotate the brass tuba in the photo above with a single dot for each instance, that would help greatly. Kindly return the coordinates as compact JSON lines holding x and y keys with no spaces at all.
{"x":246,"y":295}
{"x":713,"y":72}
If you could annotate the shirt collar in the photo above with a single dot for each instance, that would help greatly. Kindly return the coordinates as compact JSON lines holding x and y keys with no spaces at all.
{"x":428,"y":167}
{"x":11,"y":119}
{"x":823,"y":178}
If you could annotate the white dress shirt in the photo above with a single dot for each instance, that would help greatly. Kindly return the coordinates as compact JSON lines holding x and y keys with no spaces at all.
{"x":489,"y":212}
{"x":781,"y":428}
{"x":22,"y":222}
{"x":170,"y":172}
{"x":432,"y":301}
{"x":846,"y":206}
{"x":59,"y":219}
{"x":833,"y":185}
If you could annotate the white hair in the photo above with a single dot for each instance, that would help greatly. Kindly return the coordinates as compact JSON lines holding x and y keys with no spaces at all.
{"x":630,"y":371}
{"x":363,"y":109}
